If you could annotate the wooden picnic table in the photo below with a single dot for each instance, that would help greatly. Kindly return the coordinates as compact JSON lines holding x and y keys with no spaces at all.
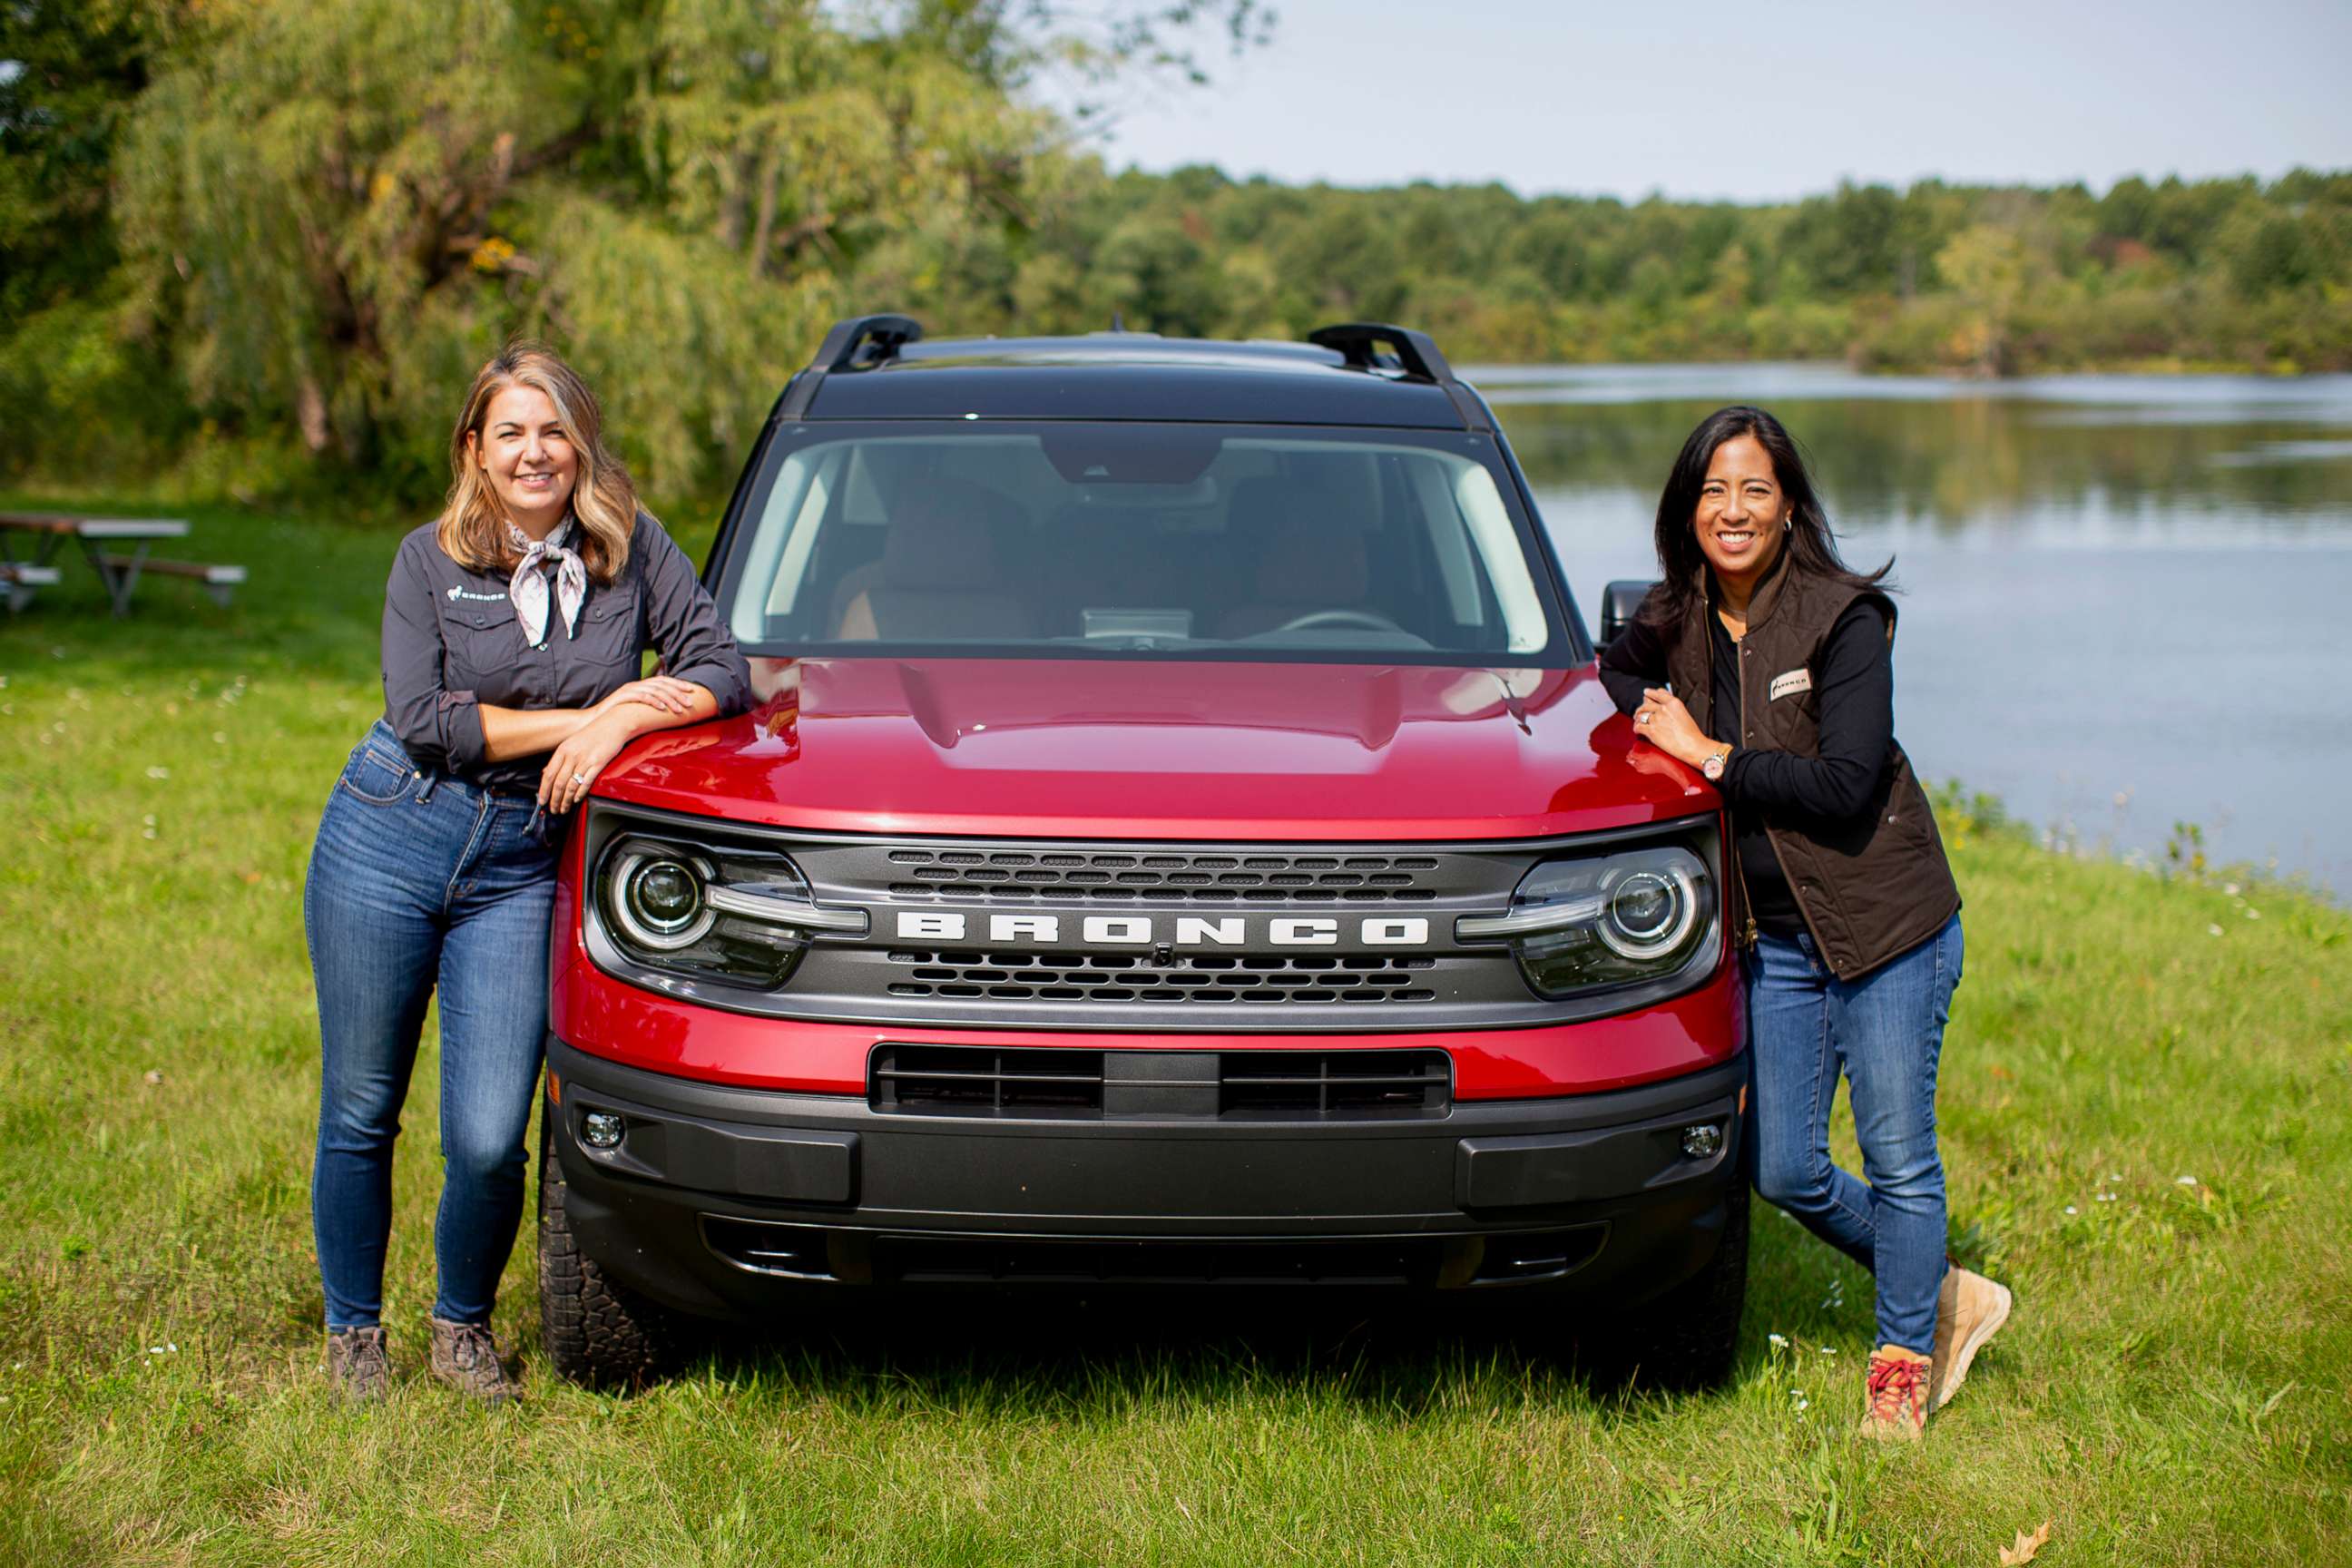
{"x":117,"y":568}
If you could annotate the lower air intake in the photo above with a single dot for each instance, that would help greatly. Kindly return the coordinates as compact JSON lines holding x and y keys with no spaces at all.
{"x":1267,"y":1085}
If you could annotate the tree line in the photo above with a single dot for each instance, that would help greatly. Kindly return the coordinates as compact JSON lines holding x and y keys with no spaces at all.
{"x":264,"y":242}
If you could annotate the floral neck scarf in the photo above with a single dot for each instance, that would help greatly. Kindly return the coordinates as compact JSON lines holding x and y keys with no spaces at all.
{"x":528,"y":588}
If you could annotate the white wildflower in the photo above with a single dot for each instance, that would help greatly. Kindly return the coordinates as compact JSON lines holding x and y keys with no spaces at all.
{"x":2212,"y":930}
{"x":2184,"y":1181}
{"x":2070,"y":1208}
{"x":2230,"y":889}
{"x":2253,"y":913}
{"x":159,"y":773}
{"x":220,"y":737}
{"x":2106,"y":1197}
{"x":1779,"y":1342}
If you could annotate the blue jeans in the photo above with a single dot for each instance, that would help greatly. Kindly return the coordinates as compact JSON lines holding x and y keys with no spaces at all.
{"x":1886,"y":1032}
{"x":417,"y":882}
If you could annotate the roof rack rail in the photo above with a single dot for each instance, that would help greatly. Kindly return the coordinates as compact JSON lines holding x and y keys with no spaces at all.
{"x":1415,"y":354}
{"x":858,"y":342}
{"x":1359,"y":342}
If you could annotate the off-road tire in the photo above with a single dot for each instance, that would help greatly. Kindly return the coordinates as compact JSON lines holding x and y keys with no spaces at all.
{"x":1685,"y":1340}
{"x":597,"y":1332}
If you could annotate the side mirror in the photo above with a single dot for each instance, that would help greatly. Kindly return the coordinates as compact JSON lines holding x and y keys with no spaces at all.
{"x":1619,"y":601}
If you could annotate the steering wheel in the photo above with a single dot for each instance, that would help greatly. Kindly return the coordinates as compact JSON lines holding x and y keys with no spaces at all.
{"x":1316,"y":620}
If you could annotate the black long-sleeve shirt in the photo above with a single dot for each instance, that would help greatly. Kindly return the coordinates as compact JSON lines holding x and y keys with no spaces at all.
{"x":451,"y":642}
{"x":1854,"y":687}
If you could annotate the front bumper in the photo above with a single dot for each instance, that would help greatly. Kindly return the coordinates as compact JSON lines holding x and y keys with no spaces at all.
{"x":722,"y":1200}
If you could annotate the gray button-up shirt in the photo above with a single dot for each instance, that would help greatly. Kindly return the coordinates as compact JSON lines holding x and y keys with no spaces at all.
{"x":451,"y":643}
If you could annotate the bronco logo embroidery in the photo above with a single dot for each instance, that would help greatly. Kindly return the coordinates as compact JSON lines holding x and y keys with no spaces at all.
{"x":1794,"y":680}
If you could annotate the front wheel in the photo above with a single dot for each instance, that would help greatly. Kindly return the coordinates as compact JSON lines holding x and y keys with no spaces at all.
{"x":598,"y":1332}
{"x":1687,"y":1338}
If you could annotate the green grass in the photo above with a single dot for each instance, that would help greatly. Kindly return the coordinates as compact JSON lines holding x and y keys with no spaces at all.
{"x":2173,"y":1389}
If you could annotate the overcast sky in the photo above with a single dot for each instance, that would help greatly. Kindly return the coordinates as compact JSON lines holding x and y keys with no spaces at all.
{"x":1759,"y":101}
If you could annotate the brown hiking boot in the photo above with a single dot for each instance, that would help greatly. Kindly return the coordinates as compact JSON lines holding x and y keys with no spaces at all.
{"x":466,"y":1359}
{"x":1969,"y":1309}
{"x":1895,"y":1401}
{"x":357,"y":1364}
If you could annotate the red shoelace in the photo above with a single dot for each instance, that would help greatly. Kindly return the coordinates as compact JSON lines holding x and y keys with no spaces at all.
{"x":1894,"y":1383}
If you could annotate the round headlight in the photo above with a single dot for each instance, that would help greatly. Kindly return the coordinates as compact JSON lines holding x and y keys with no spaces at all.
{"x":1649,"y":912}
{"x":659,"y":901}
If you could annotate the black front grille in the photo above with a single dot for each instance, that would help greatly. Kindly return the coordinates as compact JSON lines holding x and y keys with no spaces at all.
{"x":1266,"y":979}
{"x":964,"y":1080}
{"x":994,"y":933}
{"x":1172,"y":876}
{"x":1037,"y":1081}
{"x":1321,"y":1082}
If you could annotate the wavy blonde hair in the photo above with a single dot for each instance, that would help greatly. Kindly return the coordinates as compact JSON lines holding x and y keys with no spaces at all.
{"x":472,"y":531}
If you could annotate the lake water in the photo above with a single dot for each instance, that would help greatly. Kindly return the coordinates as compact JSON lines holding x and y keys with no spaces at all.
{"x":2121,"y":596}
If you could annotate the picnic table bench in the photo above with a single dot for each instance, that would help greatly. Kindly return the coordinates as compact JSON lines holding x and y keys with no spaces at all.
{"x":216,"y":579}
{"x":116,"y":568}
{"x":18,"y":583}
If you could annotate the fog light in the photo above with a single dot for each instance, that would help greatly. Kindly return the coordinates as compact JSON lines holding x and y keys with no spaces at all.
{"x":1699,"y":1142}
{"x":601,"y":1130}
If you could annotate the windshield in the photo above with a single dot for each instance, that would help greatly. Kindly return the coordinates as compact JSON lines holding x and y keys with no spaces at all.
{"x":1060,"y":540}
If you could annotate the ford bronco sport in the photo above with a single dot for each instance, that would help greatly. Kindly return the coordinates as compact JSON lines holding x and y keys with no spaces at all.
{"x":1181,"y":839}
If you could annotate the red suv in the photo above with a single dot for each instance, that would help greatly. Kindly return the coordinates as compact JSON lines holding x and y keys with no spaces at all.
{"x":1182,"y":839}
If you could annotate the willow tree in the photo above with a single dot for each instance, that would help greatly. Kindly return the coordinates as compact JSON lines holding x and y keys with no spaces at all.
{"x":334,"y":212}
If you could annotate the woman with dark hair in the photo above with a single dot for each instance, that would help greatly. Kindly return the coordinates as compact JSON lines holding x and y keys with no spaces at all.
{"x":1761,"y":659}
{"x":514,"y":630}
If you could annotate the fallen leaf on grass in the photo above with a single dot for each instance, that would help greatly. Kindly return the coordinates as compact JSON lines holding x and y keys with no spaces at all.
{"x":155,"y":1076}
{"x":2027,"y":1545}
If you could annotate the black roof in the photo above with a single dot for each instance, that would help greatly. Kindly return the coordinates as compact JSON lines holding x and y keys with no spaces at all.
{"x":867,"y":371}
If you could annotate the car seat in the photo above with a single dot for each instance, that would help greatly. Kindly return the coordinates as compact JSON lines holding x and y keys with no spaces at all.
{"x":1307,"y":560}
{"x":941,"y":573}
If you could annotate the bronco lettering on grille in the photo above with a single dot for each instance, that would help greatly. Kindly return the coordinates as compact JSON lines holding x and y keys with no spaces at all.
{"x":1146,"y":931}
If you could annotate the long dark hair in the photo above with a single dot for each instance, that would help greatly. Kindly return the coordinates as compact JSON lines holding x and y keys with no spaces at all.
{"x":1812,"y":546}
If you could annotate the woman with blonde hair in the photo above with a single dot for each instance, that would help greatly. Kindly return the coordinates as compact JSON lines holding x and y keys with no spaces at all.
{"x":514,"y":629}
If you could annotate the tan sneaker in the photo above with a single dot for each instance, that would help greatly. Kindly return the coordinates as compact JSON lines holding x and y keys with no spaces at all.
{"x":1895,"y":1400}
{"x":358,"y":1364}
{"x":1969,"y":1309}
{"x":466,"y":1359}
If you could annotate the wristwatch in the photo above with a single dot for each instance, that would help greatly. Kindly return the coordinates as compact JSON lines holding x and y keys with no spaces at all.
{"x":1713,"y":766}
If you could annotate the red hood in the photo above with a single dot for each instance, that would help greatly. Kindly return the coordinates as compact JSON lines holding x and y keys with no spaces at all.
{"x":1025,"y":748}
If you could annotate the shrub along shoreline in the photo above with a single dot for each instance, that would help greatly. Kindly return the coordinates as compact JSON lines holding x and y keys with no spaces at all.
{"x":2145,"y":1113}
